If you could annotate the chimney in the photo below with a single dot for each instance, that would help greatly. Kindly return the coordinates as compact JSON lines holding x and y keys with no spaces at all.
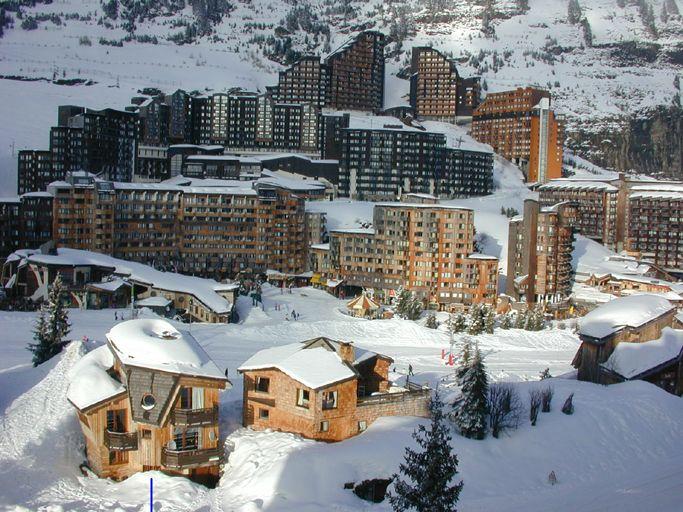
{"x":347,"y":352}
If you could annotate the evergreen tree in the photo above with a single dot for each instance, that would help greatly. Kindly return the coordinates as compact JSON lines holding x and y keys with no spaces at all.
{"x":464,"y":365}
{"x":507,"y":321}
{"x":473,"y":408}
{"x":545,"y":374}
{"x":403,"y":302}
{"x":521,"y":319}
{"x":574,"y":13}
{"x":52,"y":326}
{"x":489,"y":320}
{"x":664,"y":14}
{"x":431,"y":322}
{"x":414,"y":308}
{"x":425,"y":482}
{"x":458,"y":323}
{"x":476,"y":320}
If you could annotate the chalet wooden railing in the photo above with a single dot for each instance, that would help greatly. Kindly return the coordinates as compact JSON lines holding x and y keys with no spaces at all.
{"x":414,"y":391}
{"x":195,"y":417}
{"x":190,"y":458}
{"x":122,"y":441}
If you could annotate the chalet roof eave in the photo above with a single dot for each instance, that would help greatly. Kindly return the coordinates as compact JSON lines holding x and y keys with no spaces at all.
{"x":101,"y":403}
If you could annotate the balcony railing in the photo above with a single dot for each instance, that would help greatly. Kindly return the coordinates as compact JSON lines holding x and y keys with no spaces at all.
{"x":184,"y":459}
{"x":121,"y":441}
{"x":195,"y":417}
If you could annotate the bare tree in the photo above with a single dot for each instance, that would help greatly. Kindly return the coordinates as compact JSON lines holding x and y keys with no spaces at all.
{"x":568,"y":407}
{"x":535,"y":400}
{"x":505,"y":408}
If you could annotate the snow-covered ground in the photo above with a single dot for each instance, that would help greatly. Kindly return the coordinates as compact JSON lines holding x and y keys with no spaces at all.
{"x":620,"y":449}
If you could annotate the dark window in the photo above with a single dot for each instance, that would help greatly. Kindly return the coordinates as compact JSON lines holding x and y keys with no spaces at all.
{"x":186,"y":398}
{"x":263,"y":414}
{"x":262,"y":384}
{"x":302,"y":397}
{"x":116,"y":420}
{"x":186,"y":440}
{"x":146,"y":434}
{"x":118,"y":457}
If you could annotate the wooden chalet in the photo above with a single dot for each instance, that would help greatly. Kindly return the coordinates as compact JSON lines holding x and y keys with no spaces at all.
{"x":324,"y":389}
{"x":632,"y":319}
{"x":148,"y":400}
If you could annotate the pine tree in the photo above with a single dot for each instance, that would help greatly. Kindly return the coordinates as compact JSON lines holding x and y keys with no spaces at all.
{"x":507,"y":321}
{"x":465,"y":355}
{"x":414,"y":308}
{"x":403,"y":302}
{"x":545,"y":374}
{"x":489,"y":320}
{"x":425,"y":482}
{"x":473,"y":408}
{"x":476,"y":320}
{"x":431,"y":322}
{"x":521,"y":320}
{"x":458,"y":323}
{"x":574,"y":13}
{"x":52,"y":326}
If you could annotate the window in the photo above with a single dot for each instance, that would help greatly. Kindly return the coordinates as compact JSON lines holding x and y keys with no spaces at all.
{"x":362,"y":425}
{"x":302,"y":397}
{"x":324,"y":426}
{"x":146,"y":434}
{"x":262,"y":384}
{"x":116,"y":420}
{"x":186,"y":398}
{"x":148,"y":402}
{"x":185,"y":439}
{"x":263,"y":414}
{"x":118,"y":457}
{"x":329,"y":400}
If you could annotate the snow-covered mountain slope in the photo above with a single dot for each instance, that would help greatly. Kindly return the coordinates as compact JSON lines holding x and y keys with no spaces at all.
{"x":627,"y":68}
{"x":620,"y":450}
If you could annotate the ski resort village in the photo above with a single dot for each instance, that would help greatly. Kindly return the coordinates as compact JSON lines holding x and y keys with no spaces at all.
{"x":334,"y":256}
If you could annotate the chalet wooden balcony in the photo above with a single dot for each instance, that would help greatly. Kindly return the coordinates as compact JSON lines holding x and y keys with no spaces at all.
{"x":195,"y":417}
{"x":185,"y":459}
{"x":121,"y":441}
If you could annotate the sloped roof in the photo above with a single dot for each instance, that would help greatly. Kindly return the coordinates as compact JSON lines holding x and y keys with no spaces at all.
{"x":632,"y":360}
{"x":314,"y":363}
{"x":362,"y":302}
{"x":631,"y":311}
{"x":89,"y":382}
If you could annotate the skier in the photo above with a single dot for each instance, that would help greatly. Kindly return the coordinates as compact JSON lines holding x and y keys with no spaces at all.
{"x":410,"y":370}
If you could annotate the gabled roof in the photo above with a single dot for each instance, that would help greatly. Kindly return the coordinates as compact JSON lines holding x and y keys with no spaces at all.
{"x":362,"y":302}
{"x":638,"y":360}
{"x":632,"y":311}
{"x":315,"y":363}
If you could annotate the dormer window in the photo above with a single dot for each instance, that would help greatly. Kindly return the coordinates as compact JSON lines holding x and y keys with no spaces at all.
{"x":148,"y":402}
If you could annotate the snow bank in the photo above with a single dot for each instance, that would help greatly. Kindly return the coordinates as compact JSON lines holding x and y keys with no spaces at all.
{"x":90,"y":383}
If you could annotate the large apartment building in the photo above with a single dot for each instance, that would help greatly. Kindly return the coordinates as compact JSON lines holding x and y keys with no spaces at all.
{"x":436,"y":89}
{"x":216,"y":231}
{"x":356,"y":73}
{"x":381,"y":158}
{"x":305,"y":81}
{"x":521,"y":126}
{"x":35,"y":171}
{"x":540,"y":245}
{"x":25,"y":221}
{"x":425,"y":248}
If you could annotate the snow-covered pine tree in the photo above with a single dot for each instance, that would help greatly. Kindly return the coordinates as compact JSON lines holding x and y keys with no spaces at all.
{"x":507,"y":321}
{"x":473,"y":407}
{"x":574,"y":13}
{"x":465,"y":359}
{"x":545,"y":374}
{"x":489,"y":319}
{"x":431,"y":322}
{"x":521,"y":319}
{"x":414,"y":308}
{"x":403,"y":301}
{"x":52,"y":326}
{"x":476,"y":320}
{"x":459,"y":323}
{"x":425,"y":482}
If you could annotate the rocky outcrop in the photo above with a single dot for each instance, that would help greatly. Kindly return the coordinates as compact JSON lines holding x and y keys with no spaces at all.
{"x":649,"y":143}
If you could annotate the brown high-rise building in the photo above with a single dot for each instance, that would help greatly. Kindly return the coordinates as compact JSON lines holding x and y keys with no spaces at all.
{"x":356,"y":71}
{"x":520,"y":126}
{"x":425,"y":248}
{"x":206,"y":231}
{"x":540,"y":246}
{"x":305,"y":81}
{"x":25,"y":222}
{"x":436,"y":89}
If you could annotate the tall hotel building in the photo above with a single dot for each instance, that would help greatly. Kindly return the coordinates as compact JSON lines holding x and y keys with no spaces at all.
{"x":212,"y":231}
{"x":521,"y":126}
{"x":425,"y":248}
{"x":436,"y":89}
{"x":540,"y":246}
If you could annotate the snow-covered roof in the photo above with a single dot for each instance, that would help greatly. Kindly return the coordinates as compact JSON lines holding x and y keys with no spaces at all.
{"x":479,"y":256}
{"x":630,"y":360}
{"x":423,"y":206}
{"x":657,"y":194}
{"x":109,"y":286}
{"x":308,"y":362}
{"x":89,"y":382}
{"x":204,"y":290}
{"x":293,"y":184}
{"x":561,"y":184}
{"x":321,"y":247}
{"x":355,"y":231}
{"x":157,"y":345}
{"x":158,"y":301}
{"x":383,"y":123}
{"x":631,"y":311}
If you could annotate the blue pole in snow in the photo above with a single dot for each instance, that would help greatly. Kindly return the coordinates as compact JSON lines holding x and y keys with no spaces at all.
{"x":151,"y":495}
